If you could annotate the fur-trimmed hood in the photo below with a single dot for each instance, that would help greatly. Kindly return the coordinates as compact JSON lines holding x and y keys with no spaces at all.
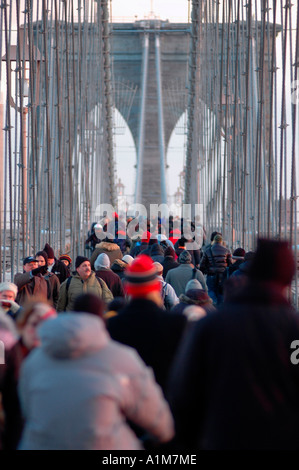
{"x":119,"y":265}
{"x":107,"y":246}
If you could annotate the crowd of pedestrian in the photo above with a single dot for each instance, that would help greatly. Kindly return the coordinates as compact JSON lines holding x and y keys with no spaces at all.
{"x":150,"y":342}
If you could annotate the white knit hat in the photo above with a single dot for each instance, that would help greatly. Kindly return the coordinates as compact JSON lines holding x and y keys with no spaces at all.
{"x":9,"y":286}
{"x":102,"y":261}
{"x":127,"y":259}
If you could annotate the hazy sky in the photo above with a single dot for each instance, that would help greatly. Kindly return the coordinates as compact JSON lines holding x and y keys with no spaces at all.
{"x":164,"y":9}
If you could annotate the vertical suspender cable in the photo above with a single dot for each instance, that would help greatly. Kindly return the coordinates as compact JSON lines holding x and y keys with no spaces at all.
{"x":161,"y":120}
{"x":8,"y":137}
{"x":48,"y":130}
{"x":140,"y":150}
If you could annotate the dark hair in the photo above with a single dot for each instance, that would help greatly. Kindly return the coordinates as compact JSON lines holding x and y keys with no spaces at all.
{"x":44,"y":255}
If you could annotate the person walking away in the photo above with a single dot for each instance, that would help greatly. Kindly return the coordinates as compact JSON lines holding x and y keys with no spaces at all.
{"x":248,"y":351}
{"x":180,"y":276}
{"x":143,"y":324}
{"x":214,"y":262}
{"x":32,"y":315}
{"x":80,"y":388}
{"x":102,"y":269}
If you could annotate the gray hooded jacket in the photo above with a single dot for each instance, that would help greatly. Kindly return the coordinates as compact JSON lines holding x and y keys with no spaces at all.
{"x":79,"y":387}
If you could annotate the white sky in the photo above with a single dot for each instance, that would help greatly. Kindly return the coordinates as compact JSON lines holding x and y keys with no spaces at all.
{"x":174,"y":10}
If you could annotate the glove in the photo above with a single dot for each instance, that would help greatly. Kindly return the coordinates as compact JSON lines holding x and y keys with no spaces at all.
{"x":13,"y":306}
{"x":40,"y":270}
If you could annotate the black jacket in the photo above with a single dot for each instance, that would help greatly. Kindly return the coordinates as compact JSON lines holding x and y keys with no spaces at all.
{"x":215,"y":259}
{"x":233,"y":385}
{"x":61,"y":271}
{"x":112,"y":280}
{"x":154,"y":333}
{"x":168,"y":263}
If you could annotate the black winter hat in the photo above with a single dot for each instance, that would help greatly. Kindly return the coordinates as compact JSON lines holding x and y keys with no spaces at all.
{"x":49,"y":251}
{"x":80,"y":260}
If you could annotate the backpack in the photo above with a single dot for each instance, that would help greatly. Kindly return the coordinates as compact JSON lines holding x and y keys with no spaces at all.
{"x":220,"y":277}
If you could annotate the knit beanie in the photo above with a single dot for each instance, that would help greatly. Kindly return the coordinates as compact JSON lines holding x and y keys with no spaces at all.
{"x":9,"y":286}
{"x":127,"y":259}
{"x":80,"y":260}
{"x":102,"y":261}
{"x":195,"y":296}
{"x":65,"y":257}
{"x":146,"y":236}
{"x":193,"y":284}
{"x":141,"y":277}
{"x":185,"y":257}
{"x":44,"y":255}
{"x":239,"y":253}
{"x":49,"y":251}
{"x":273,"y":262}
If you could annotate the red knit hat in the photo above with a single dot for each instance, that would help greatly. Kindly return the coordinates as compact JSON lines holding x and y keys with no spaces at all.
{"x":146,"y":237}
{"x":65,"y":257}
{"x":141,"y":277}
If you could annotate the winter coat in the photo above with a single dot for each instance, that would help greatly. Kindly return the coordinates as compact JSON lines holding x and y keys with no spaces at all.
{"x":242,"y":269}
{"x":119,"y":267}
{"x":179,"y":277}
{"x":215,"y":259}
{"x":60,"y":269}
{"x":112,"y":250}
{"x":234,"y":267}
{"x":168,"y":263}
{"x":79,"y":387}
{"x":233,"y":385}
{"x":157,"y":253}
{"x":55,"y":286}
{"x":112,"y":280}
{"x":154,"y":333}
{"x":29,"y":285}
{"x":70,"y":290}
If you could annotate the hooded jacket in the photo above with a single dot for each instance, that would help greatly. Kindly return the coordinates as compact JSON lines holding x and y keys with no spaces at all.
{"x":119,"y":267}
{"x":180,"y":276}
{"x":157,"y":253}
{"x":244,"y":351}
{"x":78,"y":389}
{"x":111,"y":249}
